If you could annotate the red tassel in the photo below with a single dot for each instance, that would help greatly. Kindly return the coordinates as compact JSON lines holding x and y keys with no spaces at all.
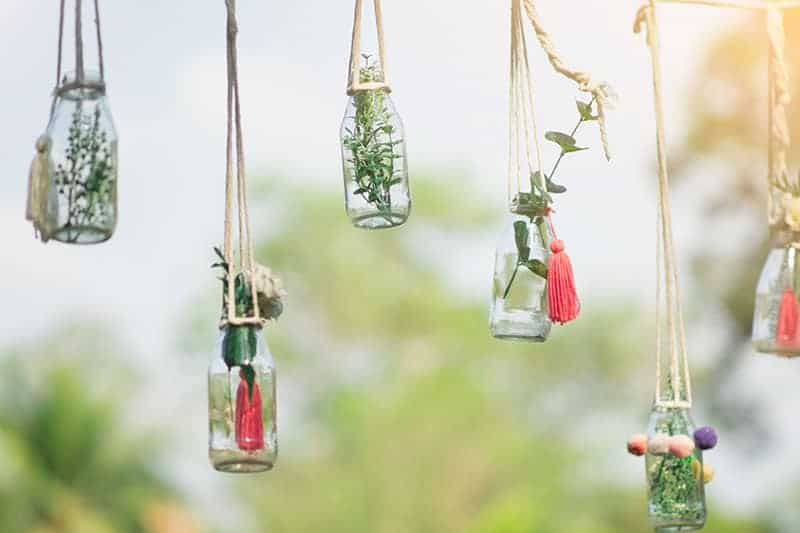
{"x":249,"y":421}
{"x":788,"y":315}
{"x":561,"y":294}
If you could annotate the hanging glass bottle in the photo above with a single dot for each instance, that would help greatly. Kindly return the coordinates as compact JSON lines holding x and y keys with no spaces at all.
{"x":241,"y":376}
{"x":777,"y":311}
{"x":373,"y":140}
{"x":519,"y":303}
{"x":776,"y":319}
{"x":241,"y":403}
{"x":75,"y":186}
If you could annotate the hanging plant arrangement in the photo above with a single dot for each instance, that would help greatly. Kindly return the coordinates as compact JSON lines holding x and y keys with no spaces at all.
{"x":72,"y":191}
{"x":374,"y":160}
{"x":533,"y":279}
{"x":241,"y":378}
{"x":675,"y":472}
{"x":776,"y":322}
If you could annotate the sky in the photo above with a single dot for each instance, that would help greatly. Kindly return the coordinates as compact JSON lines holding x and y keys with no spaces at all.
{"x":448,"y":61}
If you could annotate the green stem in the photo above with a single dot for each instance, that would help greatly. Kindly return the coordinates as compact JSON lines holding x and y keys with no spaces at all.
{"x":511,"y":281}
{"x":572,"y":134}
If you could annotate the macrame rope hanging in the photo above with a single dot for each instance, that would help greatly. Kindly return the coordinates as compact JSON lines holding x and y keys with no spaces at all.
{"x":599,"y":91}
{"x":354,"y":84}
{"x":80,"y":70}
{"x":236,"y":187}
{"x":779,"y":144}
{"x":666,"y":262}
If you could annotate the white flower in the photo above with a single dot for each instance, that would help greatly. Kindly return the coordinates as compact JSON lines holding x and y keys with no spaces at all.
{"x":267,"y":284}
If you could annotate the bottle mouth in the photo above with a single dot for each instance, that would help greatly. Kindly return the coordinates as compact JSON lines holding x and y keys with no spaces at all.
{"x":89,"y":85}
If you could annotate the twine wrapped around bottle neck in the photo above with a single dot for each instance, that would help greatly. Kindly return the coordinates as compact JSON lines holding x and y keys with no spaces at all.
{"x":238,"y":188}
{"x":354,"y":83}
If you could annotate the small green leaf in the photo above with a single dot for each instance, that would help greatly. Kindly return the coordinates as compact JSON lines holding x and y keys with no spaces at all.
{"x":521,"y":235}
{"x":561,"y":139}
{"x":537,"y":267}
{"x":234,"y":346}
{"x":570,"y":149}
{"x":555,"y":188}
{"x":585,"y":110}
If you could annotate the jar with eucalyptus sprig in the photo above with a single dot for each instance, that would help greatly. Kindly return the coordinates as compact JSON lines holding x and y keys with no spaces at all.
{"x":520,"y":308}
{"x":776,"y":319}
{"x":243,"y":434}
{"x":374,"y":160}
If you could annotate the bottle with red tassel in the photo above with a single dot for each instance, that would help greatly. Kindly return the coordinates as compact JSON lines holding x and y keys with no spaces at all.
{"x":241,"y":403}
{"x":776,"y":322}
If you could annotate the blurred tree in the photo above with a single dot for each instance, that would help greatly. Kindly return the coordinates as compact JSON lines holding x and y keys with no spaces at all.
{"x":68,"y":463}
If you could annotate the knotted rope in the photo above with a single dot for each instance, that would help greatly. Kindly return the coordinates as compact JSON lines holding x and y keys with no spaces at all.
{"x":666,"y":258}
{"x":354,"y":84}
{"x":246,"y":263}
{"x":523,"y":128}
{"x":599,"y":91}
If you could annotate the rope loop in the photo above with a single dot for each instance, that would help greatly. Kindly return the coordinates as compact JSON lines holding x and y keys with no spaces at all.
{"x":354,"y":83}
{"x":236,"y":188}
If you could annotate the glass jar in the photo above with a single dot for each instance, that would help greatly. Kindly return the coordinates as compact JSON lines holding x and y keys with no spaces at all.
{"x":777,"y":311}
{"x":374,"y":160}
{"x":676,"y":493}
{"x":519,"y":291}
{"x":242,"y":424}
{"x":84,"y":158}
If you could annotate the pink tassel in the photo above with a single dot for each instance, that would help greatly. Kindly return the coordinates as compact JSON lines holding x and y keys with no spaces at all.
{"x":561,"y":294}
{"x":249,"y":421}
{"x":788,"y":315}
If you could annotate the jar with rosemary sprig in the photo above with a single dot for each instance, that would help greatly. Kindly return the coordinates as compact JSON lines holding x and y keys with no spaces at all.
{"x":520,"y":301}
{"x":241,"y":379}
{"x":776,"y":320}
{"x":374,"y":160}
{"x":81,"y":205}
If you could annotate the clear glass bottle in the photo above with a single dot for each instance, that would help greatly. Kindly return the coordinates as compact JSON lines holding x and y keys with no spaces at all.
{"x":85,"y":163}
{"x":519,"y":291}
{"x":374,"y":160}
{"x":242,"y":422}
{"x":676,"y":493}
{"x":775,"y":321}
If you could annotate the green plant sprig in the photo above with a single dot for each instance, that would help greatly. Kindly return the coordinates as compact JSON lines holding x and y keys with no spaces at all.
{"x":537,"y":202}
{"x":372,"y":144}
{"x":240,"y":343}
{"x":86,"y":178}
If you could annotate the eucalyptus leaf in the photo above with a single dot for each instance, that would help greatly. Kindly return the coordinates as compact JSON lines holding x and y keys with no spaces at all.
{"x":521,"y":235}
{"x":555,"y":188}
{"x":537,"y":267}
{"x":561,"y":139}
{"x":585,"y":110}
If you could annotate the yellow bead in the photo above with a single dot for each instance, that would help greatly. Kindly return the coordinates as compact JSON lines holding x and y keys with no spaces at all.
{"x":708,"y":474}
{"x":696,"y":469}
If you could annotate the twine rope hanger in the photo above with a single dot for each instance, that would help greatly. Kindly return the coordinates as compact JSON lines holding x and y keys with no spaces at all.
{"x":523,"y":128}
{"x":665,"y":254}
{"x":235,"y":149}
{"x":80,"y":73}
{"x":779,"y":144}
{"x":600,"y":91}
{"x":354,"y":84}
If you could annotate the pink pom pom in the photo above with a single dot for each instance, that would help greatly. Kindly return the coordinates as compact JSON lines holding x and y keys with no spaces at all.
{"x":637,"y":445}
{"x":681,"y":446}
